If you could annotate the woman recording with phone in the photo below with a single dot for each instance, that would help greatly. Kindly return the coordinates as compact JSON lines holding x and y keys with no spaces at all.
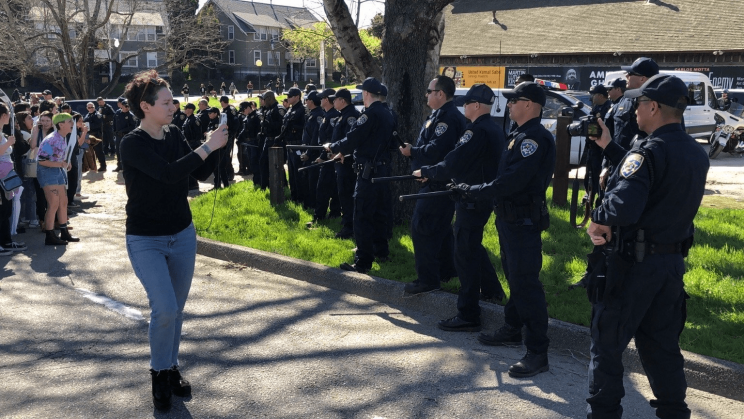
{"x":160,"y":235}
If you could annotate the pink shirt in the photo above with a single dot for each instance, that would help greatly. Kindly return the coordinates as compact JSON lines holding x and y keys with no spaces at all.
{"x":53,"y":147}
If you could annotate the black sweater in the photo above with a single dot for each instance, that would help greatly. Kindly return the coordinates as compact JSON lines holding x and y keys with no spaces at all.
{"x":156,"y":175}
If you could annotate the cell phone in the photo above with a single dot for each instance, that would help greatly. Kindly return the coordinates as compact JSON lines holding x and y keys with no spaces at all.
{"x":87,"y":125}
{"x":593,"y":129}
{"x":223,"y":119}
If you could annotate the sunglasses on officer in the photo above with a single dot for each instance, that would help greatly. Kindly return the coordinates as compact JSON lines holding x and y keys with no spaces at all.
{"x":514,"y":100}
{"x":637,"y":101}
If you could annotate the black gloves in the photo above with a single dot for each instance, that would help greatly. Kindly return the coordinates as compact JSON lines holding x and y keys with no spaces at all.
{"x":462,"y":190}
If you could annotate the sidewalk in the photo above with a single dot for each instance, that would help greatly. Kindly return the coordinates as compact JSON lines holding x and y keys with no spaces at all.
{"x":73,"y":342}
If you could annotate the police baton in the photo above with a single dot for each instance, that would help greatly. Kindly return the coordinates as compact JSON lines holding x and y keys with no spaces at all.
{"x":393,"y":178}
{"x":320,"y":164}
{"x":305,"y":147}
{"x":426,"y":195}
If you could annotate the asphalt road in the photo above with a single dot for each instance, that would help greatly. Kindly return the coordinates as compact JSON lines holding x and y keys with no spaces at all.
{"x":255,"y":344}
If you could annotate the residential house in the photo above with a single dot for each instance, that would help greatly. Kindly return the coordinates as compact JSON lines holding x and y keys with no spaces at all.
{"x":253,"y":31}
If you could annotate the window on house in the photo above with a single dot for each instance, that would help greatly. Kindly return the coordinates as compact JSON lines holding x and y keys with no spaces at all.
{"x":150,"y":32}
{"x":275,"y":58}
{"x":131,"y":62}
{"x":256,"y":56}
{"x":260,"y":34}
{"x":231,"y":56}
{"x":152,"y":59}
{"x":230,"y":33}
{"x":311,"y":62}
{"x":274,"y":34}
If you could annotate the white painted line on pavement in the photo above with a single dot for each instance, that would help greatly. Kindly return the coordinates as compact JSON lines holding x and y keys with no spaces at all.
{"x":113,"y":305}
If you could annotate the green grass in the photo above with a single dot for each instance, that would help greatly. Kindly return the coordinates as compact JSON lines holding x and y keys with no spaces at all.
{"x":714,"y":279}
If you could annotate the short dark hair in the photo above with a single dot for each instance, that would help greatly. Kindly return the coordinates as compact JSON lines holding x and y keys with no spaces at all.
{"x":224,"y":99}
{"x":65,"y":106}
{"x":3,"y":109}
{"x":446,"y":85}
{"x":46,"y":105}
{"x":34,"y":109}
{"x":139,"y":90}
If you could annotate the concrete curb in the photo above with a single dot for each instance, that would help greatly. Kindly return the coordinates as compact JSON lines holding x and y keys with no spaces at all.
{"x":709,"y":374}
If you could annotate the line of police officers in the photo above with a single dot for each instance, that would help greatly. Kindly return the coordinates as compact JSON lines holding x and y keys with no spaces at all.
{"x":653,"y":176}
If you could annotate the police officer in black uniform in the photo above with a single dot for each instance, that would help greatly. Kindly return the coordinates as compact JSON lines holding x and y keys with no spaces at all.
{"x":524,"y":174}
{"x":203,"y":114}
{"x":601,"y":105}
{"x":271,"y":127}
{"x":313,"y":119}
{"x":431,"y":225}
{"x":473,"y":160}
{"x":244,"y":165}
{"x":615,"y":91}
{"x":192,"y":131}
{"x":233,"y":127}
{"x":645,"y":225}
{"x":107,"y":114}
{"x":250,"y":132}
{"x":291,"y":134}
{"x":124,"y":123}
{"x":369,"y":140}
{"x":178,"y":116}
{"x":345,"y":176}
{"x":326,"y":190}
{"x":95,"y":121}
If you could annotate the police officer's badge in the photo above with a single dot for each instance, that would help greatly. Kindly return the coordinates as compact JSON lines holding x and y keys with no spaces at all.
{"x":320,"y":120}
{"x":466,"y":136}
{"x":362,"y":119}
{"x":428,"y":123}
{"x":440,"y":129}
{"x":183,"y":117}
{"x":281,"y":111}
{"x":528,"y":148}
{"x":632,"y":163}
{"x":351,"y":121}
{"x":197,"y":122}
{"x":511,"y":144}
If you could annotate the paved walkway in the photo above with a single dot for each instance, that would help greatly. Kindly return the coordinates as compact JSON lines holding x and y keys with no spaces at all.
{"x":73,"y":343}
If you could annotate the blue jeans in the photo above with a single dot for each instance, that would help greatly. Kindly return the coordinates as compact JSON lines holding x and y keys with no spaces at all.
{"x":165,"y":267}
{"x":28,"y":200}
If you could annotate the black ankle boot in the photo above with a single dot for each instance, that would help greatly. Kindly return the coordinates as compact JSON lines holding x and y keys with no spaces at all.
{"x":161,"y":391}
{"x":52,"y":239}
{"x":179,"y":385}
{"x":64,"y":234}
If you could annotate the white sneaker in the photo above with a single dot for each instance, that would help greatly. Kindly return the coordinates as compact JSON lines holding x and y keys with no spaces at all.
{"x":34,"y":223}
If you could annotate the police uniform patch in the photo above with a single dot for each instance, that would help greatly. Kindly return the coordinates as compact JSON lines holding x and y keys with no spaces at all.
{"x":183,"y":117}
{"x":466,"y":136}
{"x":281,"y":111}
{"x":234,"y":112}
{"x":362,"y":119}
{"x":351,"y":121}
{"x":440,"y":129}
{"x":197,"y":122}
{"x":320,"y":120}
{"x":631,"y":165}
{"x":528,"y":148}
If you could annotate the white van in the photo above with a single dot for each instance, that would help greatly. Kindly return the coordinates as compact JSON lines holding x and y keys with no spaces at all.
{"x":702,"y":114}
{"x":555,"y":101}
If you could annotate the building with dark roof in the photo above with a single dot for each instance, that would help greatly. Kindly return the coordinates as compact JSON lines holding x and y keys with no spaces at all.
{"x":578,"y":41}
{"x":253,"y":31}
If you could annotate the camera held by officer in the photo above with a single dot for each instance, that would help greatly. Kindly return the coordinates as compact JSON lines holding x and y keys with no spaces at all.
{"x":587,"y":126}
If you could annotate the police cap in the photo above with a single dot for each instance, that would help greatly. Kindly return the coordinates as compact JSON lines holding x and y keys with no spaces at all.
{"x":213,"y":110}
{"x":310,"y":88}
{"x":528,"y":90}
{"x":342,"y":93}
{"x":126,"y":103}
{"x":121,"y":99}
{"x":294,"y":92}
{"x":384,"y":91}
{"x":477,"y":93}
{"x":190,"y":106}
{"x":313,"y":96}
{"x":372,"y":85}
{"x":326,"y":94}
{"x":618,"y":82}
{"x":598,"y":90}
{"x":46,"y":92}
{"x":662,"y":88}
{"x":642,"y":67}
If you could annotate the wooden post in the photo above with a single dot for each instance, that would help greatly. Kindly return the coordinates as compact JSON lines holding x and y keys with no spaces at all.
{"x":563,"y":160}
{"x":276,"y":175}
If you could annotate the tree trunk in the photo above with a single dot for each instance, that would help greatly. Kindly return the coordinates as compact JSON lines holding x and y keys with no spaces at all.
{"x":347,"y":35}
{"x":413,"y":39}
